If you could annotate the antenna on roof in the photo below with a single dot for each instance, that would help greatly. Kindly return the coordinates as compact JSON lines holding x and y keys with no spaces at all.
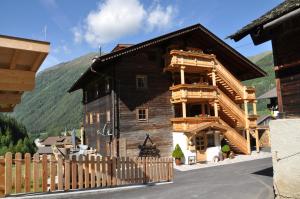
{"x":100,"y":50}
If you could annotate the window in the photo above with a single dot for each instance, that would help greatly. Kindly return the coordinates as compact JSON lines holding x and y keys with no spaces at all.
{"x":108,"y":116}
{"x":141,"y":81}
{"x":87,"y":118}
{"x":210,"y":140}
{"x":107,"y":86}
{"x":98,"y":117}
{"x":199,"y":142}
{"x":91,"y":118}
{"x":142,"y":114}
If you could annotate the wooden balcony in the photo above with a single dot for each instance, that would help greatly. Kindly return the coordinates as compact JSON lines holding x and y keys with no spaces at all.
{"x":192,"y":92}
{"x":192,"y":61}
{"x":190,"y":123}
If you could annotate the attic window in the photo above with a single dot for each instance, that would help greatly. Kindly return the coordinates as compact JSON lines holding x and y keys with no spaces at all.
{"x":141,"y":82}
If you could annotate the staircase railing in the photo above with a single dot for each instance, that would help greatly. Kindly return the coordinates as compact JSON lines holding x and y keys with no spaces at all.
{"x":231,"y":107}
{"x":230,"y":80}
{"x":235,"y":138}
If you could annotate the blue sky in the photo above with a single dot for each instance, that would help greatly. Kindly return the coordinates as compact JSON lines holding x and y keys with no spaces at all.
{"x":75,"y":28}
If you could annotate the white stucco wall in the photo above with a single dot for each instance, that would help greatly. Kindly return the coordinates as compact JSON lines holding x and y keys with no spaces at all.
{"x":182,"y":140}
{"x":285,"y":147}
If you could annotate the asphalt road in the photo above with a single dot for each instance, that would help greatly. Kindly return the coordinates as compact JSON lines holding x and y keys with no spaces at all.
{"x":247,"y":180}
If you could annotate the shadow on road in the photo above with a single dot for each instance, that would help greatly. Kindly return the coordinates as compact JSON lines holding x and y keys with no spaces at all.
{"x":265,"y":172}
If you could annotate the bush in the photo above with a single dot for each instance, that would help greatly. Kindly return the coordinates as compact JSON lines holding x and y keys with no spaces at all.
{"x":177,"y":153}
{"x":225,"y":148}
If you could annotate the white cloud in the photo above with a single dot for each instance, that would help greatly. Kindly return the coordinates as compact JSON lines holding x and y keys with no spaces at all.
{"x":114,"y":19}
{"x":77,"y":32}
{"x":160,"y":17}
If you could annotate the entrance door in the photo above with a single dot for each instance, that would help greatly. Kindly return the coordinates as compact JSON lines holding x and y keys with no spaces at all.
{"x":200,"y":143}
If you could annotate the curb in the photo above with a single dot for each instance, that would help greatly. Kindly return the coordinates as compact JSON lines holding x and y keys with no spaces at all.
{"x":64,"y":194}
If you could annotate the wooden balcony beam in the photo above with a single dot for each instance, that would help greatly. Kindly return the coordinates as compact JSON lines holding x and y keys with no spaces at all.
{"x":10,"y":98}
{"x":16,"y":80}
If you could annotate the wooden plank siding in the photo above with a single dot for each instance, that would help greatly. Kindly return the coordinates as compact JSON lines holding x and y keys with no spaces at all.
{"x":286,"y":51}
{"x":156,"y":98}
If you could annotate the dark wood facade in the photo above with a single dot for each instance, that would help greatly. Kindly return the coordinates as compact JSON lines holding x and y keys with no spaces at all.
{"x":121,"y":77}
{"x":286,"y":50}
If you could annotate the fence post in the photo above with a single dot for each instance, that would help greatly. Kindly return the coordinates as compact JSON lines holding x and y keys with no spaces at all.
{"x":74,"y":172}
{"x":98,"y":173}
{"x":52,"y":173}
{"x":44,"y":173}
{"x":67,"y":174}
{"x":18,"y":163}
{"x":8,"y":173}
{"x":60,"y":172}
{"x":36,"y":182}
{"x":145,"y":170}
{"x":27,"y":172}
{"x":86,"y":172}
{"x":114,"y":168}
{"x":123,"y":181}
{"x":92,"y":166}
{"x":2,"y":177}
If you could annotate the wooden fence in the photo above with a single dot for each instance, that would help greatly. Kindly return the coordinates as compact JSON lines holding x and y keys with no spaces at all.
{"x":45,"y":173}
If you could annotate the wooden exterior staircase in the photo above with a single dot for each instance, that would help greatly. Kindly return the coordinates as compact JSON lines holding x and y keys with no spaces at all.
{"x":224,"y":93}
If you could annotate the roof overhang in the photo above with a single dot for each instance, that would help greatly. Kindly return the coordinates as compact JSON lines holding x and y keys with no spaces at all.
{"x":19,"y":61}
{"x":261,"y":28}
{"x":221,"y":46}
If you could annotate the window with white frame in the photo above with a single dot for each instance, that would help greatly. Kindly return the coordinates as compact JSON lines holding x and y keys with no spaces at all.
{"x":142,"y":114}
{"x":141,"y":82}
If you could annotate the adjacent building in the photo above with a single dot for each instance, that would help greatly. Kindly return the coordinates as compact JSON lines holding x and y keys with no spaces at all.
{"x":281,"y":26}
{"x":182,"y":88}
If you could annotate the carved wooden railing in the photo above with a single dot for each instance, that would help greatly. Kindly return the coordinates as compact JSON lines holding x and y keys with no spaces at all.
{"x":178,"y":58}
{"x":243,"y":91}
{"x":190,"y":123}
{"x":184,"y":92}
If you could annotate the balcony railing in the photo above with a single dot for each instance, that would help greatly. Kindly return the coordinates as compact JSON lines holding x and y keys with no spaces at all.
{"x":190,"y":92}
{"x":250,"y":93}
{"x":191,"y":60}
{"x":190,"y":123}
{"x":252,"y":121}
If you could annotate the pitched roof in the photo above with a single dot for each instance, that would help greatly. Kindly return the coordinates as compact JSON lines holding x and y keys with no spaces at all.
{"x":197,"y":28}
{"x":262,"y":118}
{"x":285,"y":7}
{"x":44,"y":150}
{"x":269,"y":94}
{"x":58,"y":140}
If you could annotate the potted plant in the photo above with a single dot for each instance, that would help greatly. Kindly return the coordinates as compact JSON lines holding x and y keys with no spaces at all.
{"x":225,"y":150}
{"x":177,"y":154}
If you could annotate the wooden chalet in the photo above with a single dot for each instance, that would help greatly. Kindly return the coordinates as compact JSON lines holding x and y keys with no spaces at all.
{"x":281,"y":26}
{"x":19,"y":61}
{"x":180,"y":88}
